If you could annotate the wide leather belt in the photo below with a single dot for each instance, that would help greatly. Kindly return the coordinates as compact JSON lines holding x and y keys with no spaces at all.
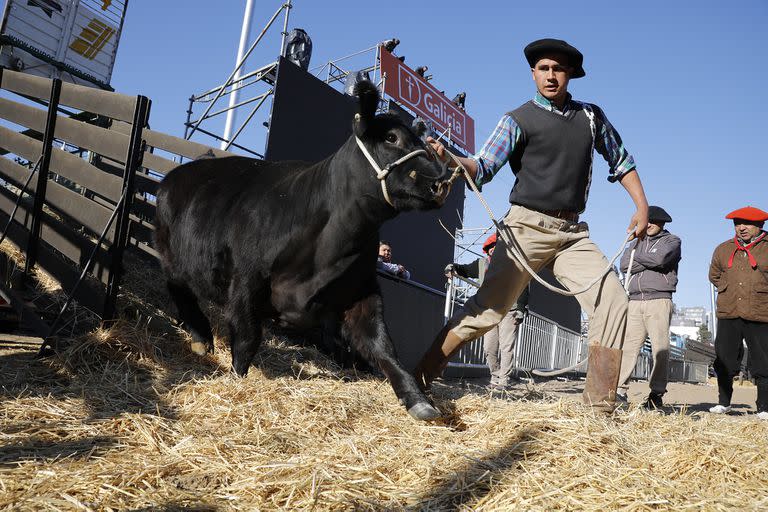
{"x":561,"y":214}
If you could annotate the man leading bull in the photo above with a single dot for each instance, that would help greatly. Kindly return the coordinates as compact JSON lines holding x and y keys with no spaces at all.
{"x":549,"y":143}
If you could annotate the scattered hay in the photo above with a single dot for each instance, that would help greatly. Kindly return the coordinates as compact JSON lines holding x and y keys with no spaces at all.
{"x":44,"y":293}
{"x":45,"y":283}
{"x":129,"y":419}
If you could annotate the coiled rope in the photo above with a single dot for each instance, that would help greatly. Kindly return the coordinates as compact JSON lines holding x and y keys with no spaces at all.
{"x":517,"y":252}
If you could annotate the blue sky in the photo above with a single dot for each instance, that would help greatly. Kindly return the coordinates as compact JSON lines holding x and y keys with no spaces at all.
{"x":683,"y":82}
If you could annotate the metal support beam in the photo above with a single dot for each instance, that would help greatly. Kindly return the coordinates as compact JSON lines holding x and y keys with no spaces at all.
{"x":266,"y":73}
{"x":222,"y":111}
{"x":226,"y":145}
{"x":218,"y":137}
{"x":239,"y":65}
{"x":245,"y":33}
{"x":553,"y":355}
{"x":132,"y":166}
{"x":42,"y":177}
{"x":287,"y":6}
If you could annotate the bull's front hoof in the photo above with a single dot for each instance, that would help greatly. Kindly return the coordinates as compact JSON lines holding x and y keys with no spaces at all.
{"x":240,"y":370}
{"x":199,"y":348}
{"x":424,"y":411}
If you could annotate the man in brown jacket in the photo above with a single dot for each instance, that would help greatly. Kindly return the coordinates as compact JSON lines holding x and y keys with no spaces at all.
{"x":739,"y":270}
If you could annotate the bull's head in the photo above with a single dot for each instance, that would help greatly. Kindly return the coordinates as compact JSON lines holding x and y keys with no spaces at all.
{"x":419,"y":181}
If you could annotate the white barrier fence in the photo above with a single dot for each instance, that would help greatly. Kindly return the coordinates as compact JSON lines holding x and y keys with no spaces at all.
{"x":543,"y":344}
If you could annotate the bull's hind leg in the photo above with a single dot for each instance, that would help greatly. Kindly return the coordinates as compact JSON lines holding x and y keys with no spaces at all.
{"x":195,"y":321}
{"x":364,"y":327}
{"x":245,"y":329}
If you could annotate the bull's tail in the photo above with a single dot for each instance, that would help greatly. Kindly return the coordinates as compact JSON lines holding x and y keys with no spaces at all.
{"x":162,"y":235}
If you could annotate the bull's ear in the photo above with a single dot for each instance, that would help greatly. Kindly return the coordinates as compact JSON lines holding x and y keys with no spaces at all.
{"x":419,"y":127}
{"x":368,"y":101}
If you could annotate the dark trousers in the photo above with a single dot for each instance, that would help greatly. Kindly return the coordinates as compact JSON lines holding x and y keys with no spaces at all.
{"x":729,"y":352}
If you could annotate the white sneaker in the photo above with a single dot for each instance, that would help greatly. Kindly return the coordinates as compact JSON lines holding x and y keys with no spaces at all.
{"x":763,"y":415}
{"x":720,"y":409}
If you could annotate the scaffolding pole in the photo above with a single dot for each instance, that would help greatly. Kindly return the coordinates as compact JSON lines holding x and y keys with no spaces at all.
{"x":245,"y":34}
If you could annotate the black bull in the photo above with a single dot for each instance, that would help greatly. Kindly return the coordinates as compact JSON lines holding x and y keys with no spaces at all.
{"x":294,"y":242}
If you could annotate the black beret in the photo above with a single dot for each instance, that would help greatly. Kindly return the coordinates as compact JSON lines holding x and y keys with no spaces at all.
{"x":658,"y":213}
{"x":536,"y":49}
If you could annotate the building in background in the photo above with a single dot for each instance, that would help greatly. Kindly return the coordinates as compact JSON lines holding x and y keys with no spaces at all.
{"x":687,"y":324}
{"x":698,"y":315}
{"x":676,"y":340}
{"x":684,"y":328}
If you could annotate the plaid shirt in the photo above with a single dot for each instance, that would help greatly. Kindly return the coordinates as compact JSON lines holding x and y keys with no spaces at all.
{"x":496,"y":150}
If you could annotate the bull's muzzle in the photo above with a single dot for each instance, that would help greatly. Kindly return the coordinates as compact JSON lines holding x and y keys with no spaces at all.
{"x":442,"y":188}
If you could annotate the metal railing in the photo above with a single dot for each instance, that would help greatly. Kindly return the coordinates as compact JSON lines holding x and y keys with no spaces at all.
{"x":544,"y":344}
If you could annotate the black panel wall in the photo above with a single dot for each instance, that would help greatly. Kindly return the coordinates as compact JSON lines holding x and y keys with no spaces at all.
{"x":310,"y":120}
{"x":413,"y":317}
{"x":559,"y":308}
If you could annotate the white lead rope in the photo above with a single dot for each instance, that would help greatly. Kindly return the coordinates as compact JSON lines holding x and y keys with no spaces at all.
{"x":517,"y":252}
{"x":381,"y":174}
{"x":628,"y":275}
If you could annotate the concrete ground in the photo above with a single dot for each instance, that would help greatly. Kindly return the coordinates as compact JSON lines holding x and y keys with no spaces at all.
{"x":699,"y":397}
{"x":679,"y":397}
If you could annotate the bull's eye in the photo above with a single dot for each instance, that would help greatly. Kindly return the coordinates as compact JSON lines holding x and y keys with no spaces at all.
{"x":391,"y":138}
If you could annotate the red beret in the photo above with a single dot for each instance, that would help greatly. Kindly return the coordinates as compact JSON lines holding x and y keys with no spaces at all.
{"x":490,"y":242}
{"x":748,"y":213}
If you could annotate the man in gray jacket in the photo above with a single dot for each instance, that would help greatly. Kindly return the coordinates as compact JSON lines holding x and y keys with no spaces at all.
{"x":652,"y":281}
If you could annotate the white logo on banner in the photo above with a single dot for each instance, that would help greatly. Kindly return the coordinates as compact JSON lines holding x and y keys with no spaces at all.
{"x":410,"y":91}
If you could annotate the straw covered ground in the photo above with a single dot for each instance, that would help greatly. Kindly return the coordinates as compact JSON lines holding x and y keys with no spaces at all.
{"x":129,"y":419}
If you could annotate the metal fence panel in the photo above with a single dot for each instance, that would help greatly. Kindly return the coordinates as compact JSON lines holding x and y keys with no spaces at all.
{"x":543,"y":344}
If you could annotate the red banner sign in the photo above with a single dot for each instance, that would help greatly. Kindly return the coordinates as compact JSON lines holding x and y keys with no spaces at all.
{"x":412,"y":91}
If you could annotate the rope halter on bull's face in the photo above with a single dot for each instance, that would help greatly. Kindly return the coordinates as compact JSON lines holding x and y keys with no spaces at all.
{"x":382,"y":173}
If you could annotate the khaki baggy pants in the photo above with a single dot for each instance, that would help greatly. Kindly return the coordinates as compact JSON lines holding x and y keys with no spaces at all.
{"x":647,"y":318}
{"x":499,"y":349}
{"x":575,"y":260}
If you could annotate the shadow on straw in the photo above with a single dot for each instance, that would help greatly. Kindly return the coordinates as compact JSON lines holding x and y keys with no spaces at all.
{"x":43,"y":451}
{"x":703,"y":408}
{"x":468,"y":485}
{"x":114,"y":371}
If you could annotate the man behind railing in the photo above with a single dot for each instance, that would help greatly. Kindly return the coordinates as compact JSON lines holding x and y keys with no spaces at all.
{"x":499,"y":342}
{"x":384,"y":262}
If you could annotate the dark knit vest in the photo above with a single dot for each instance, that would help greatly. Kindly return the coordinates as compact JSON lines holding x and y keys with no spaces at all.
{"x":553,"y":159}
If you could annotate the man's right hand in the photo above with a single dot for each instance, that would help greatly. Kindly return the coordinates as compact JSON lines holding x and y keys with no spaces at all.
{"x":468,"y":163}
{"x":438,"y":148}
{"x":448,"y":270}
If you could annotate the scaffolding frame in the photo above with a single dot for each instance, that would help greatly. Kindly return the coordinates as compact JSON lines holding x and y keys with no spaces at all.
{"x":235,"y":82}
{"x":333,"y":72}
